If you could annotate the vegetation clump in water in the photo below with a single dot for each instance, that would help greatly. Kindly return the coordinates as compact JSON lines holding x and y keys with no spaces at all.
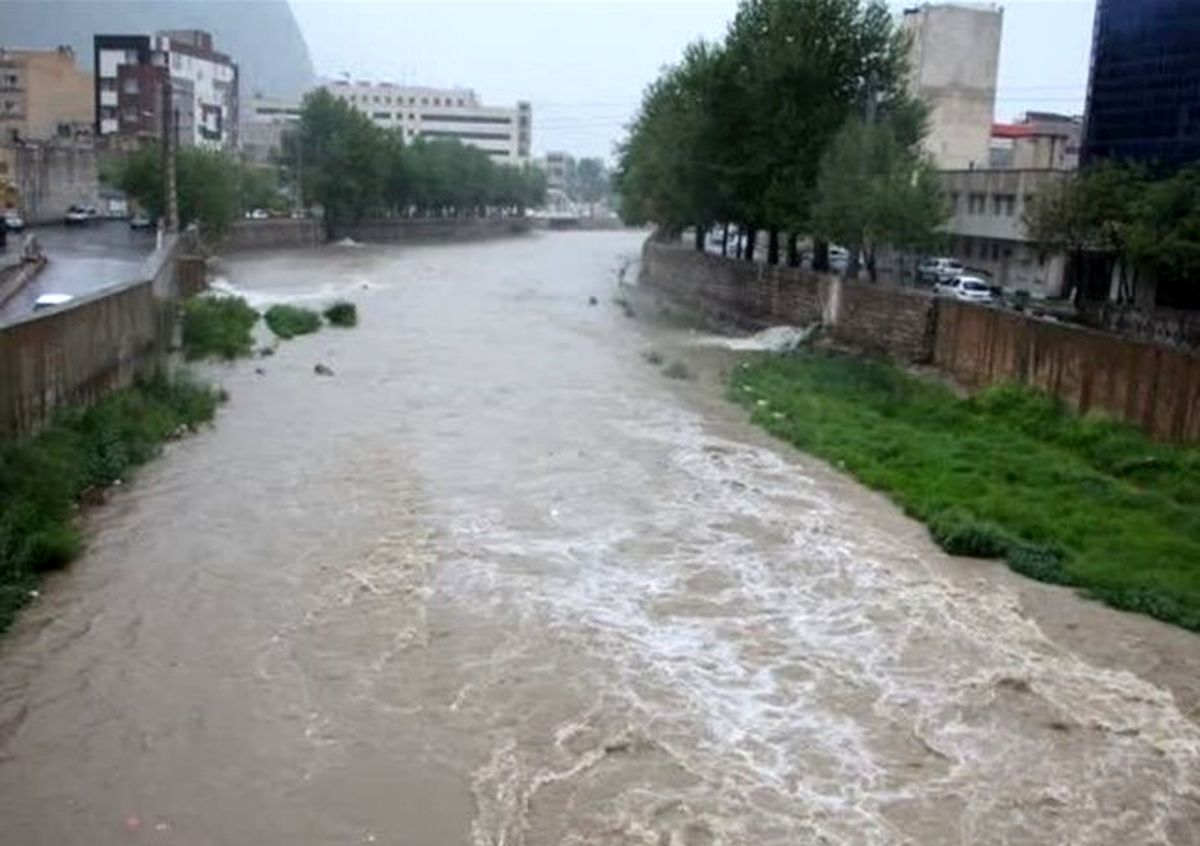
{"x":218,"y":327}
{"x":82,"y":450}
{"x":342,"y":313}
{"x":1010,"y":473}
{"x":288,"y":321}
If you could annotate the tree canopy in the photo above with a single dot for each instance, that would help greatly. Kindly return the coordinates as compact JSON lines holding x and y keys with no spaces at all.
{"x":737,"y":131}
{"x":1118,"y":212}
{"x":353,"y":168}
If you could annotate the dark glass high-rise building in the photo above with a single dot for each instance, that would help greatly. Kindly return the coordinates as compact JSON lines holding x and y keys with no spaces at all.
{"x":1144,"y":91}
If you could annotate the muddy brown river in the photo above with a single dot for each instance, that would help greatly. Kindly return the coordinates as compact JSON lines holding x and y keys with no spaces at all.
{"x":499,"y":581}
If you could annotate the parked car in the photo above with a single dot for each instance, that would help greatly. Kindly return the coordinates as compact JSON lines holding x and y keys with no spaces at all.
{"x":258,"y":214}
{"x":46,"y":301}
{"x":13,"y":222}
{"x":77,"y":215}
{"x":939,"y":270}
{"x":299,"y":214}
{"x":971,"y":289}
{"x":141,"y":221}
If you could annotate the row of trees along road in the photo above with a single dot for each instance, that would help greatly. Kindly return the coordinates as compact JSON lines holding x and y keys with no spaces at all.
{"x":1135,"y":224}
{"x":345,"y":164}
{"x":797,"y":123}
{"x":354,"y":169}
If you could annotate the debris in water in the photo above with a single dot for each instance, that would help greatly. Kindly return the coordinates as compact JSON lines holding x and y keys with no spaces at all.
{"x":347,"y":242}
{"x":133,"y":822}
{"x":260,"y":371}
{"x":266,"y":352}
{"x":593,"y":301}
{"x":323,"y":370}
{"x":653,"y":357}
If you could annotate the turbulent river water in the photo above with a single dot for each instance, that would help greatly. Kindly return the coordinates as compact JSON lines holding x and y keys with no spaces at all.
{"x":499,"y":581}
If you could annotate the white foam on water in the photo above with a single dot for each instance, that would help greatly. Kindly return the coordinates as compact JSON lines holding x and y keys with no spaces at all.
{"x":772,"y":339}
{"x":261,"y":298}
{"x":808,"y":677}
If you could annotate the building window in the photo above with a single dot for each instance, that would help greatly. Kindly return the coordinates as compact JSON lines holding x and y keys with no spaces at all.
{"x":1029,"y":200}
{"x":130,"y":86}
{"x":412,"y":101}
{"x":995,"y":251}
{"x":424,"y":101}
{"x":460,"y":100}
{"x":108,"y":84}
{"x":977,"y":203}
{"x":966,"y":247}
{"x":952,"y":199}
{"x":1003,"y":204}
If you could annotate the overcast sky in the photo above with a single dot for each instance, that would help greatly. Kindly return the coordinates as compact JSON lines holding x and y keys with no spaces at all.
{"x":583,"y":64}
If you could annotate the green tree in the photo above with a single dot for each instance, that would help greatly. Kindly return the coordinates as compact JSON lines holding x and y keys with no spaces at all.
{"x":876,"y":189}
{"x":736,"y":131}
{"x":206,"y":181}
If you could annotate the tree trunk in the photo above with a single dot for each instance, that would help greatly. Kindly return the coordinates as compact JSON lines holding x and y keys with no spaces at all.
{"x":725,"y":241}
{"x":751,"y":237}
{"x":872,"y":271}
{"x":699,"y":237}
{"x":793,"y":250}
{"x":821,"y":256}
{"x":773,"y":247}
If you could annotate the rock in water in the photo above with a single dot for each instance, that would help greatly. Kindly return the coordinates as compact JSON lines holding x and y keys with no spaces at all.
{"x":323,"y":370}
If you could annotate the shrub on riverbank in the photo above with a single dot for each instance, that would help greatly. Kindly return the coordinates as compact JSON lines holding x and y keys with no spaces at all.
{"x":218,"y":327}
{"x":288,"y":321}
{"x":41,"y":478}
{"x":342,"y":313}
{"x":1010,"y":473}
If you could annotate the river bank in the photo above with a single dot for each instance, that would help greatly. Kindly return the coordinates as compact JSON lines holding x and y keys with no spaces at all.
{"x":522,"y":587}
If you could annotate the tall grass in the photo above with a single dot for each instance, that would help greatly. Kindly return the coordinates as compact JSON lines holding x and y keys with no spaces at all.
{"x":288,"y":321}
{"x":1010,"y":473}
{"x":42,"y":477}
{"x":218,"y":327}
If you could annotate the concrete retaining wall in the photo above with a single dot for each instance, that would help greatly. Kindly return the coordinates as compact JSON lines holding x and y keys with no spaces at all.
{"x":890,"y":320}
{"x":1151,"y":386}
{"x":16,"y":276}
{"x":417,"y":230}
{"x":273,"y":234}
{"x":96,"y":344}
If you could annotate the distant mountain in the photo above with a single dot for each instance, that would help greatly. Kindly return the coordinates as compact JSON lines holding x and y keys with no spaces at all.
{"x":262,"y":36}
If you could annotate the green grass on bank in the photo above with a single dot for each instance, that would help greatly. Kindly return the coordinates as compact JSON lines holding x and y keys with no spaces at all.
{"x":1010,"y":473}
{"x":218,"y":327}
{"x":42,"y":478}
{"x":342,"y":313}
{"x":288,"y":321}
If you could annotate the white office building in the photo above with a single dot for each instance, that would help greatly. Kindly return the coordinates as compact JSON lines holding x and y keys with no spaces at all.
{"x":442,"y":113}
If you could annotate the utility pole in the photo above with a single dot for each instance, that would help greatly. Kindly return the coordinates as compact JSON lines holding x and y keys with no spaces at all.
{"x":170,"y":143}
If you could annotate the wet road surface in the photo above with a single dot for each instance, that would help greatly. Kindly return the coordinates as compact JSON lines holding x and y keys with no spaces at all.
{"x":82,"y":259}
{"x":498,"y":581}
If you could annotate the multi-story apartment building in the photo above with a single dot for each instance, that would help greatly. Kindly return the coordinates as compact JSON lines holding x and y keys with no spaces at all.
{"x":131,"y":70}
{"x":449,"y":113}
{"x":955,"y":53}
{"x":43,"y":95}
{"x":1142,"y":93}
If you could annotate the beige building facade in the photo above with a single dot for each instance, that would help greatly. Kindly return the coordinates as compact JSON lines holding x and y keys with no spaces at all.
{"x":955,"y":54}
{"x":43,"y":95}
{"x":987,"y":229}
